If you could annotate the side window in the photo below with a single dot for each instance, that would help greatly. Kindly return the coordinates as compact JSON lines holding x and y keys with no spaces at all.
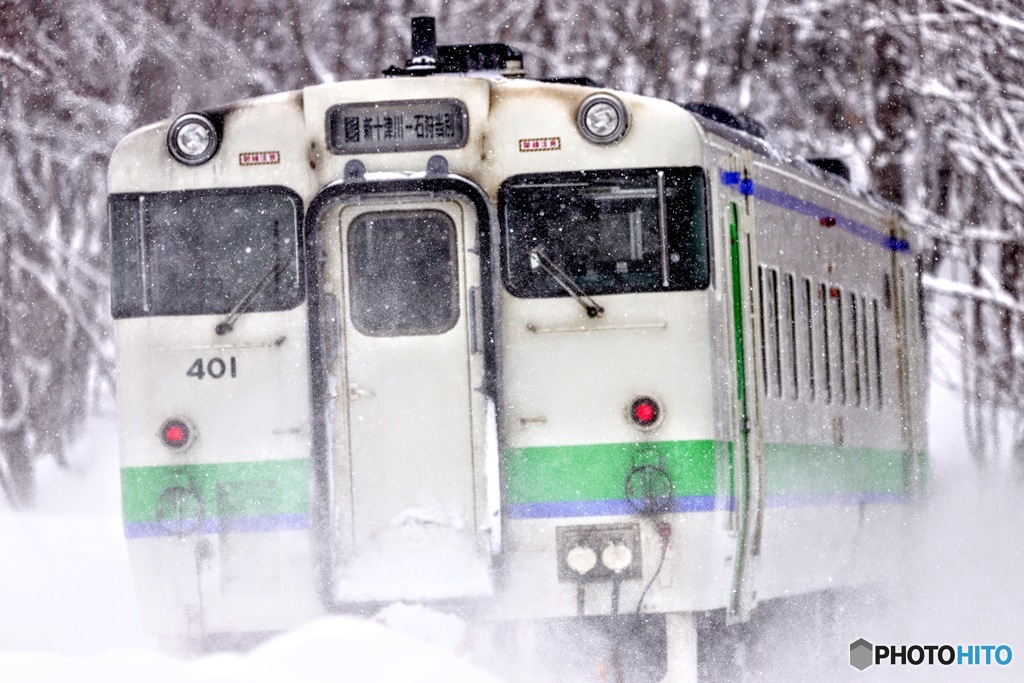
{"x":865,"y":366}
{"x":855,"y":345}
{"x":788,"y":319}
{"x":403,"y":273}
{"x":771,"y":353}
{"x":877,"y":351}
{"x":763,"y":318}
{"x":808,"y":311}
{"x":826,"y":343}
{"x":839,"y":335}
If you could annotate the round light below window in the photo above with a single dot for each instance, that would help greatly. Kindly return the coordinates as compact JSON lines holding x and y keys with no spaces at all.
{"x":175,"y":434}
{"x":602,"y":119}
{"x":645,"y":412}
{"x":192,"y":139}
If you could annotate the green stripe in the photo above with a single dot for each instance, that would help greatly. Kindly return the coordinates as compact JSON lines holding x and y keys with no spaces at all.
{"x":697,"y":468}
{"x":793,"y":468}
{"x":245,"y":489}
{"x":599,"y":472}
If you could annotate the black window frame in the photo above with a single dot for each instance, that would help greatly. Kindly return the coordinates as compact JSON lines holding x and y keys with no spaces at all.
{"x":125,"y":304}
{"x":598,"y":174}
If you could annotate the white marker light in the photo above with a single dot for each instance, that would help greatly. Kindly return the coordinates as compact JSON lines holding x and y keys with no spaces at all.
{"x":581,"y":559}
{"x":616,"y":557}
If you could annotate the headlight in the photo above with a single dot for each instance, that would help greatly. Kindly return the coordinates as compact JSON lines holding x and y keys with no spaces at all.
{"x":192,"y":139}
{"x":602,"y":119}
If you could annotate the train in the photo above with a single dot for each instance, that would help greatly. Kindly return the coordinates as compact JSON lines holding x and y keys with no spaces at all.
{"x":523,"y":348}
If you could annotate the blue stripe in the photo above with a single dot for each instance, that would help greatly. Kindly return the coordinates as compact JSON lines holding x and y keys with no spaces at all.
{"x":599,"y":508}
{"x":792,"y":203}
{"x":185,"y":527}
{"x":596,"y":508}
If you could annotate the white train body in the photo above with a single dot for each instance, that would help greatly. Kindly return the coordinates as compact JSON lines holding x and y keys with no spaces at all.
{"x":411,"y":407}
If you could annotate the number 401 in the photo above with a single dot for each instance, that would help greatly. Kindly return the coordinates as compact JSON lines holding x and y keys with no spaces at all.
{"x":215,"y":368}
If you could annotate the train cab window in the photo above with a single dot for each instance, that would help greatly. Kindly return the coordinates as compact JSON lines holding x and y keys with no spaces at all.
{"x":204,"y":252}
{"x":403,"y":273}
{"x":610,"y":232}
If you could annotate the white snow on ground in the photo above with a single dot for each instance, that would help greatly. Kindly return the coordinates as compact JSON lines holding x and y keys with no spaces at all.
{"x":64,"y":580}
{"x":331,"y":649}
{"x":68,"y":610}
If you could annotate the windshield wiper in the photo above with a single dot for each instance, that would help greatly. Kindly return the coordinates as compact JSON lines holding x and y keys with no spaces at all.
{"x":227,"y":324}
{"x":566,"y":282}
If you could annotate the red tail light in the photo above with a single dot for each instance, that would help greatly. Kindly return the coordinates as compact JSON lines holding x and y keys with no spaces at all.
{"x":175,"y":434}
{"x":645,"y":411}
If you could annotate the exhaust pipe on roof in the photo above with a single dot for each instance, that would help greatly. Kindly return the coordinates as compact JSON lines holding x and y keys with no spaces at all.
{"x":424,"y":45}
{"x":430,"y":58}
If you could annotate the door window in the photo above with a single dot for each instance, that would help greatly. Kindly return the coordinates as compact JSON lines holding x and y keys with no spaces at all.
{"x":403,"y":273}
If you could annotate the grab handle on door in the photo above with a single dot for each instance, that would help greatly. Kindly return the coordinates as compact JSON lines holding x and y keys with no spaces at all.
{"x":354,"y":392}
{"x":475,"y":321}
{"x":330,"y":316}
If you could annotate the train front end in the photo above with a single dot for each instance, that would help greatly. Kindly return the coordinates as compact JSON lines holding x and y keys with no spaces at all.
{"x":444,"y":339}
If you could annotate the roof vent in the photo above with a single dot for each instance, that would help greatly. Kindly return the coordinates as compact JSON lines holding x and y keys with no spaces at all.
{"x":834,"y":166}
{"x":741,"y":122}
{"x":574,"y":80}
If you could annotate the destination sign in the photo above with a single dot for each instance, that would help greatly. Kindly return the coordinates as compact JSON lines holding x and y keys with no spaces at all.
{"x":406,"y":126}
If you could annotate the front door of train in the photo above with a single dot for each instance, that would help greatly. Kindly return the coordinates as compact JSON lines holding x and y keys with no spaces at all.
{"x":402,"y":278}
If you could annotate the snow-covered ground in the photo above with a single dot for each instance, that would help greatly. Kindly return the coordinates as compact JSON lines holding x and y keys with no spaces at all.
{"x":68,"y":610}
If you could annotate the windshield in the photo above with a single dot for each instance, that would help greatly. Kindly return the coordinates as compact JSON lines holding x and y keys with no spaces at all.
{"x":201,"y":252}
{"x":611,"y":232}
